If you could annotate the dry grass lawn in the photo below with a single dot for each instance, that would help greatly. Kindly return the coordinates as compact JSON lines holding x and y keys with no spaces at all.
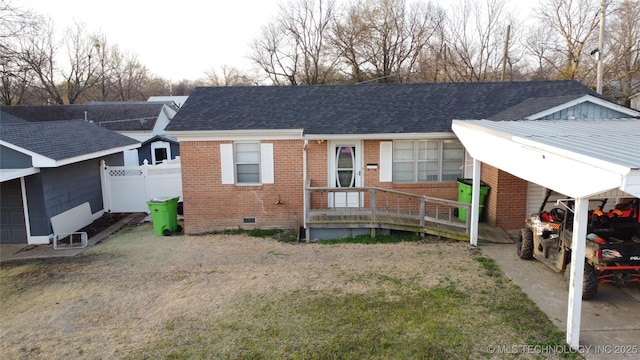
{"x":136,"y":295}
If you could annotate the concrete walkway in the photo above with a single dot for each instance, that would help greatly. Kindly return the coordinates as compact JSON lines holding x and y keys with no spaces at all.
{"x":610,"y":323}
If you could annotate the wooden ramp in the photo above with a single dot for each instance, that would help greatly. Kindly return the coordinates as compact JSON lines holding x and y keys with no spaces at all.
{"x":375,"y":208}
{"x":486,"y":232}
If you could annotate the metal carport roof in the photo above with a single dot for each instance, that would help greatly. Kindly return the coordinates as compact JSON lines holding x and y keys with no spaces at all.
{"x":578,"y":158}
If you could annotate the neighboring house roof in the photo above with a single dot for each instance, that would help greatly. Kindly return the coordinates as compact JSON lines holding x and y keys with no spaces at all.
{"x":6,"y":118}
{"x":117,"y":116}
{"x":177,"y":101}
{"x":160,"y":138}
{"x":364,"y":108}
{"x":57,"y":143}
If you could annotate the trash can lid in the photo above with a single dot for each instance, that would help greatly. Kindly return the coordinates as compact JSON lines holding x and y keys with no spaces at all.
{"x":159,"y":199}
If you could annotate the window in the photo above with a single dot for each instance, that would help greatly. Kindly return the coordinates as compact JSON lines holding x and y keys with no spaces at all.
{"x":247,"y":163}
{"x":427,"y":160}
{"x":160,"y":152}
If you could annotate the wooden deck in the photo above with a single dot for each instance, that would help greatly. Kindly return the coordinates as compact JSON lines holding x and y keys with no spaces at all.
{"x":375,"y":208}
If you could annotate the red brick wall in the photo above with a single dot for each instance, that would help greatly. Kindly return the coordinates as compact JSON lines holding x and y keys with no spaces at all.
{"x":209,"y":205}
{"x":317,"y":166}
{"x":507,"y":199}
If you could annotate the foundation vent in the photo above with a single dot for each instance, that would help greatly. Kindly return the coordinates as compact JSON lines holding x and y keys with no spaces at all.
{"x":249,"y":220}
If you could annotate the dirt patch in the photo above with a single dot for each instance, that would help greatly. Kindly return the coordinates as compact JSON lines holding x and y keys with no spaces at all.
{"x":102,"y":223}
{"x":135,"y":288}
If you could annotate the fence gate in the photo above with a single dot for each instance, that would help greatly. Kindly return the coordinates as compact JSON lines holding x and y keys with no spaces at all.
{"x":129,"y":188}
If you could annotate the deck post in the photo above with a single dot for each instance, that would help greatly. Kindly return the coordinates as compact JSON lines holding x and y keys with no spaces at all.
{"x":473,"y":217}
{"x":423,"y":204}
{"x":373,"y":205}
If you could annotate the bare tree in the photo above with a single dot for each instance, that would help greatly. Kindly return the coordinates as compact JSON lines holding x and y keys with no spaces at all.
{"x":37,"y":50}
{"x":227,"y":76}
{"x":541,"y":57}
{"x":130,"y":77}
{"x":183,"y":87}
{"x":83,"y":55}
{"x":292,"y":49}
{"x":622,"y":55}
{"x":385,"y":41}
{"x":476,"y":35}
{"x":574,"y":23}
{"x":15,"y":77}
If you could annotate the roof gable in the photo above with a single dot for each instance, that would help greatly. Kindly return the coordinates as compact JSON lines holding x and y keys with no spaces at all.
{"x":358,"y":109}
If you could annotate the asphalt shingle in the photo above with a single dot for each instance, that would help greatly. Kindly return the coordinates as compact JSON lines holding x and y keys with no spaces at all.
{"x":117,"y":116}
{"x":360,"y":109}
{"x":59,"y":140}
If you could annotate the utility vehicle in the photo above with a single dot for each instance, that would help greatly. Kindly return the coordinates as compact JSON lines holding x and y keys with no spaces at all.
{"x":612,"y":253}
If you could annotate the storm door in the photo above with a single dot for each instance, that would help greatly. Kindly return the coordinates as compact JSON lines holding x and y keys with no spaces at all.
{"x":345,"y":171}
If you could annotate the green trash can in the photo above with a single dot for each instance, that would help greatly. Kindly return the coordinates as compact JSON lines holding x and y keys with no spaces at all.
{"x":465,"y":190}
{"x":164,"y":215}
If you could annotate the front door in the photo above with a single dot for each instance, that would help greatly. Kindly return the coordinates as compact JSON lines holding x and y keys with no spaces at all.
{"x":345,"y":170}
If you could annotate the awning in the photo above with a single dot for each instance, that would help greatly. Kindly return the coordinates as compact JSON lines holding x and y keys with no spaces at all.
{"x":578,"y":158}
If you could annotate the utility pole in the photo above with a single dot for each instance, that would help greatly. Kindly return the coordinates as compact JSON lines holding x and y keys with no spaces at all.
{"x":600,"y":75}
{"x":505,"y":53}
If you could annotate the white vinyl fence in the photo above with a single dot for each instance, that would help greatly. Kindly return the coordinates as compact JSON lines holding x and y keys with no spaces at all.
{"x":129,"y":188}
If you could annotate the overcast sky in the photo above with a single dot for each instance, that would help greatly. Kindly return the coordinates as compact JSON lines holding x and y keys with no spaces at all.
{"x":177,"y":39}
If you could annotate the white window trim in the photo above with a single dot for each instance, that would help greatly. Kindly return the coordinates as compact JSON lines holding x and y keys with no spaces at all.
{"x":386,"y":161}
{"x":160,"y":145}
{"x":228,"y":165}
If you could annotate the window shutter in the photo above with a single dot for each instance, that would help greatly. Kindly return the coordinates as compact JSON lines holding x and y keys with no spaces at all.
{"x":266,"y":163}
{"x":386,"y":161}
{"x":226,"y":163}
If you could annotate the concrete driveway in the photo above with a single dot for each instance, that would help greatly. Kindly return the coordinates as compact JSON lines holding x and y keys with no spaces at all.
{"x":610,"y":324}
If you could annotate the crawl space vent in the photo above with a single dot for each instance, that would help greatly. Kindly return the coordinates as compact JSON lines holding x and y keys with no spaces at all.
{"x":249,"y":220}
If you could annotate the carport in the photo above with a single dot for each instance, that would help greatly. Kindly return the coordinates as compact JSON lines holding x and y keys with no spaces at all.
{"x":578,"y":158}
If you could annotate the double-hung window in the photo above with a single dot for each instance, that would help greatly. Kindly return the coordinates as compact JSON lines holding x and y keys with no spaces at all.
{"x":247,"y":163}
{"x":427,"y":160}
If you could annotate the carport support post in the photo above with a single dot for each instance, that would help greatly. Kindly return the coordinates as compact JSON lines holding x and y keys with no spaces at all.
{"x":578,"y":244}
{"x":475,"y":203}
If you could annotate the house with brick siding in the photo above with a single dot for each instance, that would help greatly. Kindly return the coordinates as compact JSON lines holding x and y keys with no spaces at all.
{"x":249,"y":153}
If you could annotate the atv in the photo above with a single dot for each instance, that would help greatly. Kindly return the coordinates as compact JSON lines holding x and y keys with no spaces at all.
{"x":612,"y":253}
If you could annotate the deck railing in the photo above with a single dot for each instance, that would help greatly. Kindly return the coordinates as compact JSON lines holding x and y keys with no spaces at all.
{"x":373,"y":204}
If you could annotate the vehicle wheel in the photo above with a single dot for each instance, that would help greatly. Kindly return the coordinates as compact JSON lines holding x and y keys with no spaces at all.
{"x":589,"y":283}
{"x":524,"y":244}
{"x":166,"y":232}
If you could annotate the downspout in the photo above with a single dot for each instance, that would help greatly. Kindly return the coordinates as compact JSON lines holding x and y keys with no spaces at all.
{"x":304,"y":183}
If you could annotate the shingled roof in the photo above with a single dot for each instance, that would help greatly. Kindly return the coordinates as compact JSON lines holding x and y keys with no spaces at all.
{"x":117,"y":116}
{"x":61,"y":140}
{"x":363,"y":109}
